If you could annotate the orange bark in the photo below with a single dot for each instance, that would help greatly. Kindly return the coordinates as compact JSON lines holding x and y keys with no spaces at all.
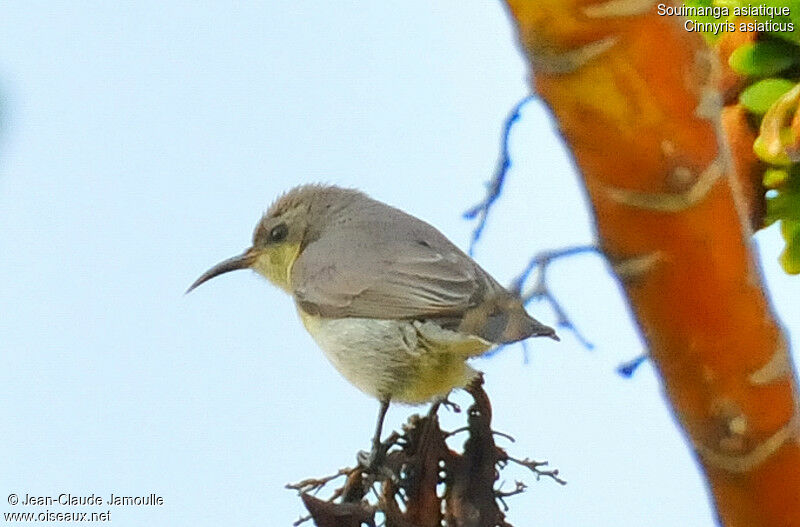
{"x":739,"y":129}
{"x":637,"y":99}
{"x":748,"y":169}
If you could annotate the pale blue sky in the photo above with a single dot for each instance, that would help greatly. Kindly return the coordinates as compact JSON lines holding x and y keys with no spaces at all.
{"x":143,"y":141}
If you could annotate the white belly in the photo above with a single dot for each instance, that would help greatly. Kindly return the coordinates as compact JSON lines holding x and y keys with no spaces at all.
{"x":407,"y":361}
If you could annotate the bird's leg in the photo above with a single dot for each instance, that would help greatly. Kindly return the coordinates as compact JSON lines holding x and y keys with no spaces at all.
{"x":372,"y":460}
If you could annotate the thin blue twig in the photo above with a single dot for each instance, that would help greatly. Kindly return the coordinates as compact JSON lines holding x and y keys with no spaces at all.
{"x":627,"y":369}
{"x":543,"y":259}
{"x":540,"y":289}
{"x":495,"y":186}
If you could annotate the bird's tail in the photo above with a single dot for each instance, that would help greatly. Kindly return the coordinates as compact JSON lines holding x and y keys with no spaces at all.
{"x":501,"y":320}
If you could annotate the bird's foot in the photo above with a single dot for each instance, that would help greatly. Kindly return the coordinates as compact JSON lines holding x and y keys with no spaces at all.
{"x":371,"y":460}
{"x":373,"y":463}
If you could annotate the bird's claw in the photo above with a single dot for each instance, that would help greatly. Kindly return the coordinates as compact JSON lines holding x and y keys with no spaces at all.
{"x":446,"y":402}
{"x":373,"y":462}
{"x":369,"y":461}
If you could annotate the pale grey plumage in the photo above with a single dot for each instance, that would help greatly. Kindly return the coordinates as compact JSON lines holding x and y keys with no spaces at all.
{"x":371,"y":260}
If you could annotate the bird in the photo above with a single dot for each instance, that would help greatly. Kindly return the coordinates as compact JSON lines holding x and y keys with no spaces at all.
{"x":395,"y":306}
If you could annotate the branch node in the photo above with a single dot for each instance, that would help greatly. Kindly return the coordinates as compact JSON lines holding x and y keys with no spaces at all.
{"x":534,"y":466}
{"x":540,"y":289}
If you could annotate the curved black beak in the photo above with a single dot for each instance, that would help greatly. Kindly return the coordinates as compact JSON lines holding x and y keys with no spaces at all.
{"x":242,"y":261}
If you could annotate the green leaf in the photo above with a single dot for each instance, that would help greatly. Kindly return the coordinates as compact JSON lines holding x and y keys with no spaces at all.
{"x":775,"y":177}
{"x":783,"y":206}
{"x":759,"y":96}
{"x":790,"y":257}
{"x":761,"y":59}
{"x":793,"y":17}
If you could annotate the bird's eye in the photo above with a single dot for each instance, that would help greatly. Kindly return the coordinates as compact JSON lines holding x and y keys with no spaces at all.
{"x":278,"y":233}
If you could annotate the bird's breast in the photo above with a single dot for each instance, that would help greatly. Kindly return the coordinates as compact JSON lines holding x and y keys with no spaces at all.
{"x":405,"y":360}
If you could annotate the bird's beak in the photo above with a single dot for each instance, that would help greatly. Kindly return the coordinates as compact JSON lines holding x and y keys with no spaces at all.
{"x":242,"y":261}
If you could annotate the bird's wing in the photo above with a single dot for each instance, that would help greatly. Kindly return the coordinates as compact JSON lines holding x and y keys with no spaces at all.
{"x":387,"y":279}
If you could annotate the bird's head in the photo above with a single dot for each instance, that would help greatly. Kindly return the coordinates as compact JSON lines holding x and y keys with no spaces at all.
{"x":277,"y":242}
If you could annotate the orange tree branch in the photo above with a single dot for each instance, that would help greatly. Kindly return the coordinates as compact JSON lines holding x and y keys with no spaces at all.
{"x":637,"y":100}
